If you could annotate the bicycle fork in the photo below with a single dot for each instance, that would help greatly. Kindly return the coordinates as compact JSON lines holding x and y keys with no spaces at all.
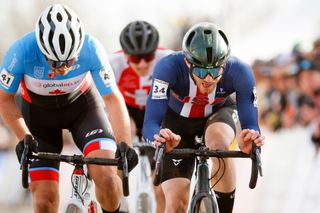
{"x":79,"y":200}
{"x":202,"y":188}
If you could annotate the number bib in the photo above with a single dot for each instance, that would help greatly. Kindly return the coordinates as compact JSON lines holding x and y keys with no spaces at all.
{"x":159,"y":89}
{"x":6,"y":78}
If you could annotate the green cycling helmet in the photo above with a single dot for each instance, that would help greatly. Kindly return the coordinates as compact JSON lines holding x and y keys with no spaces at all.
{"x":205,"y":45}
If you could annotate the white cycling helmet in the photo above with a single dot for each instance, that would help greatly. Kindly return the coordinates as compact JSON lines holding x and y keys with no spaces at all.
{"x":59,"y":33}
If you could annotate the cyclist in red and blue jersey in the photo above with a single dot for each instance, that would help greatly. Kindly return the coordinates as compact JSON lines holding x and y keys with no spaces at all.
{"x":66,"y":81}
{"x":133,"y":67}
{"x":191,"y":97}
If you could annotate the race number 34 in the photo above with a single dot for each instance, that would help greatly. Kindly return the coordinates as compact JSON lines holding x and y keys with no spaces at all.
{"x":159,"y":89}
{"x":6,"y":78}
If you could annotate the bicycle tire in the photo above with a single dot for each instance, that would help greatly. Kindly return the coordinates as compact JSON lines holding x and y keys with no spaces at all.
{"x":144,"y":203}
{"x":72,"y":208}
{"x":205,"y":205}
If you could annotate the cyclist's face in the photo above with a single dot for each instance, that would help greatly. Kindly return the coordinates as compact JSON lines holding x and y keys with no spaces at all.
{"x":61,"y":68}
{"x":141,"y":65}
{"x":207,"y":84}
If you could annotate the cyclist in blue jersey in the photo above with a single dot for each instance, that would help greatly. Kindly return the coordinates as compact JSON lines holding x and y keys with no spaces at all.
{"x":191,"y":97}
{"x":66,"y":81}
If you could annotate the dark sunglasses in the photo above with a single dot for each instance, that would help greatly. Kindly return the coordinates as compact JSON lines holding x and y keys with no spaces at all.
{"x":202,"y":72}
{"x":137,"y":58}
{"x":58,"y":64}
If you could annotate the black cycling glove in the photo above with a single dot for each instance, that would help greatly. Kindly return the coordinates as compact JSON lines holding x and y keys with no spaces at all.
{"x":20,"y":146}
{"x":132,"y":158}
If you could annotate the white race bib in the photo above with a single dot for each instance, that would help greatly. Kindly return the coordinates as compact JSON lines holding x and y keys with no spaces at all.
{"x":6,"y":78}
{"x":159,"y":89}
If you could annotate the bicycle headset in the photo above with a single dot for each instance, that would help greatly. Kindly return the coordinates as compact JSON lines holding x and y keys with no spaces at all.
{"x":59,"y":33}
{"x":139,"y":38}
{"x":205,"y":45}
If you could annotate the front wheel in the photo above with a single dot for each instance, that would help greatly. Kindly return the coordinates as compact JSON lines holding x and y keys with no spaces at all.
{"x":72,"y":208}
{"x":144,"y":203}
{"x":206,"y":205}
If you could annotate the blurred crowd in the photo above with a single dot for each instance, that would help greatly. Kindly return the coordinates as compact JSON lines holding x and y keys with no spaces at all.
{"x":289,"y":90}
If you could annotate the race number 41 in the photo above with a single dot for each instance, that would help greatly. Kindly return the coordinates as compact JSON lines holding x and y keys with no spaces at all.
{"x":6,"y":78}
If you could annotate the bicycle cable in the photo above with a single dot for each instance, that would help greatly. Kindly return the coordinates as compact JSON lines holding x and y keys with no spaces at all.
{"x":223,"y":172}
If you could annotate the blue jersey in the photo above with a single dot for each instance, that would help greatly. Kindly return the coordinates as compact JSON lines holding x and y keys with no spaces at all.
{"x":25,"y":65}
{"x":173,"y":87}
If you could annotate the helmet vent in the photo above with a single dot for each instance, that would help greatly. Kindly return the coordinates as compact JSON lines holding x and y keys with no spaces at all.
{"x":69,"y":15}
{"x":49,"y":15}
{"x":62,"y":43}
{"x":73,"y":40}
{"x":59,"y":17}
{"x":195,"y":61}
{"x":224,"y":37}
{"x":50,"y":39}
{"x":209,"y":55}
{"x":139,"y":41}
{"x":192,"y":34}
{"x":207,"y":32}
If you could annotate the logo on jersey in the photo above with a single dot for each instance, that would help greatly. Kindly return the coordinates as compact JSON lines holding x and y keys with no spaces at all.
{"x":255,"y":97}
{"x":106,"y":77}
{"x":176,"y":162}
{"x":221,"y":91}
{"x":235,"y":116}
{"x":57,"y":92}
{"x":198,"y":139}
{"x":159,"y":89}
{"x":51,"y":74}
{"x":38,"y":72}
{"x":6,"y":78}
{"x":13,"y":62}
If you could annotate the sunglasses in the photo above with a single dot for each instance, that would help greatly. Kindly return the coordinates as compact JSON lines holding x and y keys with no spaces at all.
{"x":58,"y":64}
{"x":202,"y":72}
{"x":137,"y":58}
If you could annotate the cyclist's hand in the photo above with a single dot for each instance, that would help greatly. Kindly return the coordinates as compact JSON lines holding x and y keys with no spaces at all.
{"x":132,"y":158}
{"x":166,"y":135}
{"x":246,"y":137}
{"x":20,"y":148}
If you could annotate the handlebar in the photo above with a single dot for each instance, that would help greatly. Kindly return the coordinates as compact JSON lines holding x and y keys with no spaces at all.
{"x":76,"y":160}
{"x":144,"y":147}
{"x":254,"y":155}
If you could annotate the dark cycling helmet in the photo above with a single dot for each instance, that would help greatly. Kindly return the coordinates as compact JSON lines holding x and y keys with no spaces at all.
{"x":59,"y":33}
{"x":206,"y":45}
{"x":139,"y":38}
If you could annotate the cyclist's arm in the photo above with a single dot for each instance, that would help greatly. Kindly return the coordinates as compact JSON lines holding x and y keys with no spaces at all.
{"x":104,"y":80}
{"x":246,"y":97}
{"x":11,"y":114}
{"x":118,"y":116}
{"x":247,"y":105}
{"x":11,"y":73}
{"x":157,"y":102}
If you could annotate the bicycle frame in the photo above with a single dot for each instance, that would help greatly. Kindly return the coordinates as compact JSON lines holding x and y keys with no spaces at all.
{"x":144,"y":198}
